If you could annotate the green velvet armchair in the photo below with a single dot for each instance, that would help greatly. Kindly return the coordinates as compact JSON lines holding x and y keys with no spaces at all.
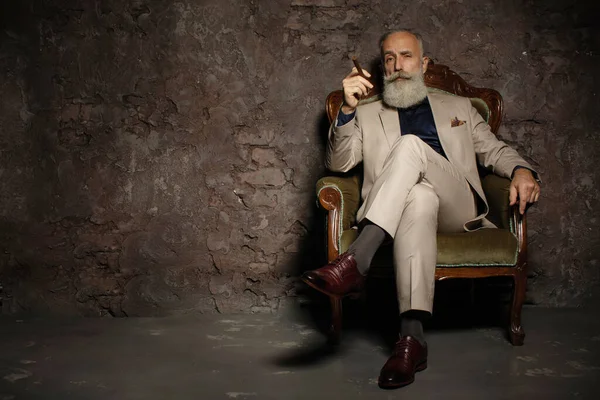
{"x":479,"y":254}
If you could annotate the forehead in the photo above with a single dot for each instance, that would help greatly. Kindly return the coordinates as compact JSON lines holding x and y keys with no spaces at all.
{"x":400,"y":41}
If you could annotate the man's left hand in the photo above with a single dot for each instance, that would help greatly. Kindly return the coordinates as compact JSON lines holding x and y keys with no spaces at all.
{"x":524,"y":188}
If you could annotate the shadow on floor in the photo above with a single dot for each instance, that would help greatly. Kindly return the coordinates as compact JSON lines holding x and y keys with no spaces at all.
{"x":463,"y":304}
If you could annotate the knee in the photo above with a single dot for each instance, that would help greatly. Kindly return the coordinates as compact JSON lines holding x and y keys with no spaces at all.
{"x":408,"y":140}
{"x":423,"y":201}
{"x":405,"y":143}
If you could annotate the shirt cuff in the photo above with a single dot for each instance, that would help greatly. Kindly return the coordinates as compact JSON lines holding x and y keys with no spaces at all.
{"x":343,"y":119}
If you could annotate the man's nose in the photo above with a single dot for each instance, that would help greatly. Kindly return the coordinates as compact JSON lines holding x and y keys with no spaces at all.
{"x":398,"y":65}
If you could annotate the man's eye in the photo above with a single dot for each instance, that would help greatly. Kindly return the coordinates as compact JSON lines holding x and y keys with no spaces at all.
{"x":389,"y":59}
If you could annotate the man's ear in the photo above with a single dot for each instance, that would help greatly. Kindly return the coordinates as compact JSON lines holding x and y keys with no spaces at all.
{"x":425,"y":63}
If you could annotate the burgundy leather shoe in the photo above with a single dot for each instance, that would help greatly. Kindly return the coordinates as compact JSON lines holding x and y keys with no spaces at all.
{"x":408,"y":358}
{"x":340,"y":277}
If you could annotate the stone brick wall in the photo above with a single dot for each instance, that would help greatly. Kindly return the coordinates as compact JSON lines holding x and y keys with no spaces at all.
{"x":159,"y":157}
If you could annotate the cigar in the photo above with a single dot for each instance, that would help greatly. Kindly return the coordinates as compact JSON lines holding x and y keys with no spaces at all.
{"x":361,"y":73}
{"x":358,"y":68}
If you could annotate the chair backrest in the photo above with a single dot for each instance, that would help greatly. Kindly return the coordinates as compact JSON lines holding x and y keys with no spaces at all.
{"x":438,"y":77}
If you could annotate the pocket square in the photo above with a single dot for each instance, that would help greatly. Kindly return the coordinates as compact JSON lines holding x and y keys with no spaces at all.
{"x":456,"y":122}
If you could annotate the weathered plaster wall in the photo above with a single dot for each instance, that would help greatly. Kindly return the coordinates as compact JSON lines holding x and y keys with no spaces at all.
{"x":160,"y":156}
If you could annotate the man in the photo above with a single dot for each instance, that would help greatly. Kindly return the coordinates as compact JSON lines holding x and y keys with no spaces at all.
{"x":420,"y":152}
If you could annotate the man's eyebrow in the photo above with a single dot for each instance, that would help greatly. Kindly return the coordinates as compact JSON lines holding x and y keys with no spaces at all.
{"x":401,"y":52}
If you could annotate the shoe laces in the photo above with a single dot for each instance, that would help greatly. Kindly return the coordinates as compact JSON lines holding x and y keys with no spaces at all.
{"x":337,"y":270}
{"x":402,"y":346}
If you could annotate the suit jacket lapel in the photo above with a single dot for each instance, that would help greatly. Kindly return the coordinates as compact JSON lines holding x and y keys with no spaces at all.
{"x":442,"y":122}
{"x":391,"y":123}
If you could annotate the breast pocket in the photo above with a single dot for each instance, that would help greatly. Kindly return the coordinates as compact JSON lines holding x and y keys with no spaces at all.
{"x":459,"y":144}
{"x":460,"y":129}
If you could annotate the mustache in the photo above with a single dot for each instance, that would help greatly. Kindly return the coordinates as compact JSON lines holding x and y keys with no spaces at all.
{"x":397,"y":75}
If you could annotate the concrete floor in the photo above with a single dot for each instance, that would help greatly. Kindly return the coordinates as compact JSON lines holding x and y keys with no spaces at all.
{"x":283,"y":357}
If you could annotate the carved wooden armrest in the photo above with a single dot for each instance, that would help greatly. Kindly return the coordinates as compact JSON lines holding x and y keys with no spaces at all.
{"x":340,"y":196}
{"x":520,"y":225}
{"x":504,"y":215}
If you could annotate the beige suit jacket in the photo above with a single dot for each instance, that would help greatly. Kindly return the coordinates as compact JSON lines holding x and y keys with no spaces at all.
{"x":369,"y":136}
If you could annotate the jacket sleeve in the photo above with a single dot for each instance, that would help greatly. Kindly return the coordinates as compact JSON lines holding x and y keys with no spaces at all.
{"x":491,"y":152}
{"x":344,"y":145}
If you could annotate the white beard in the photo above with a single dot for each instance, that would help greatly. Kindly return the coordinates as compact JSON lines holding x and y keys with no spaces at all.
{"x":404,"y":93}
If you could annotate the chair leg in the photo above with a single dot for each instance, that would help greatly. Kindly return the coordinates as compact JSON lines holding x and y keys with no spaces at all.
{"x":516,"y":333}
{"x":335,"y":330}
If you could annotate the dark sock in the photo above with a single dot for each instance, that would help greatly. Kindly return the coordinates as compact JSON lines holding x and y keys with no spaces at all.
{"x":365,"y":246}
{"x":411,"y":324}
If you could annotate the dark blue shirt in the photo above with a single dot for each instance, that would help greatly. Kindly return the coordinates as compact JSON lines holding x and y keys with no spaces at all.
{"x":416,"y":120}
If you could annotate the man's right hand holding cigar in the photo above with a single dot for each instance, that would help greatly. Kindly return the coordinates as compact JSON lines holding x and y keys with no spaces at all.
{"x":355,"y":87}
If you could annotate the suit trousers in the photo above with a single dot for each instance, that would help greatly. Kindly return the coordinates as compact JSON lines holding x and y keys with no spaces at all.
{"x":417,"y":194}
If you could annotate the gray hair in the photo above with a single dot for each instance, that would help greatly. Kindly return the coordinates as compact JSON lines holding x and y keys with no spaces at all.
{"x":415,"y":34}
